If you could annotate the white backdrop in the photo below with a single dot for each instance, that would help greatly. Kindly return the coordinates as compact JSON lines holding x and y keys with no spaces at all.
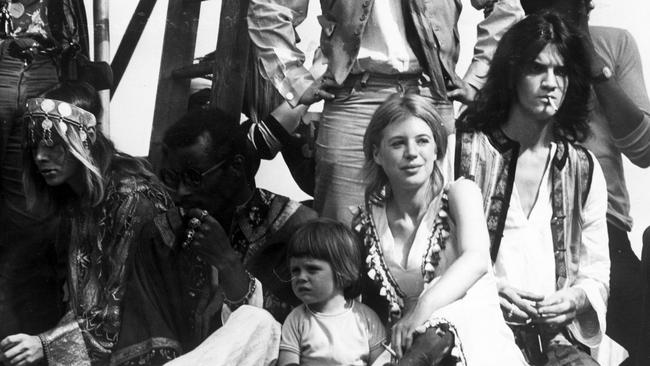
{"x":132,"y":105}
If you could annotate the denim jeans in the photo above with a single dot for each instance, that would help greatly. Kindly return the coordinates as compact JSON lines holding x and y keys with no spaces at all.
{"x":18,"y":82}
{"x":339,"y":177}
{"x":29,"y":285}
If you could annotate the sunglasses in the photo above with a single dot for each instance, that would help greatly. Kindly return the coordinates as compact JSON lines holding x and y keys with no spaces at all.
{"x":190,"y":177}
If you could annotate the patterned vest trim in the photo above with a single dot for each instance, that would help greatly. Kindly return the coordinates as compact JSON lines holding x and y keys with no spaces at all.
{"x":491,"y":163}
{"x":490,"y":160}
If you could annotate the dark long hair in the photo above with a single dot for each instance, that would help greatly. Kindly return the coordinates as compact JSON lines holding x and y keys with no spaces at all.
{"x":100,"y":163}
{"x":517,"y":49}
{"x":397,"y":108}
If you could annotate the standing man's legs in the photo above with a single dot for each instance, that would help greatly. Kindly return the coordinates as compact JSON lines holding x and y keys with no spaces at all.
{"x":29,"y":289}
{"x":625,"y":306}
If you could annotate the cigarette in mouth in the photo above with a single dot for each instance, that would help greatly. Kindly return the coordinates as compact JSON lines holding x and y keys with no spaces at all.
{"x":552,"y":104}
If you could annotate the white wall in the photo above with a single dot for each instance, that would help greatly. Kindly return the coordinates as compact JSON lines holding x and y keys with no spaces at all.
{"x":132,"y":105}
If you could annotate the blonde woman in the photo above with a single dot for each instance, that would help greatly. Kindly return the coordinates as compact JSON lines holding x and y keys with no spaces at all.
{"x":427,"y":247}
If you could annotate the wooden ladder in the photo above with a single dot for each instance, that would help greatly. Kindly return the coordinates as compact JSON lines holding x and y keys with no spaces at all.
{"x":228,"y":68}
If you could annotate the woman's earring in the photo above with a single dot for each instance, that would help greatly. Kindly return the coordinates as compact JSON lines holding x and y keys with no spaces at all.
{"x":47,"y":125}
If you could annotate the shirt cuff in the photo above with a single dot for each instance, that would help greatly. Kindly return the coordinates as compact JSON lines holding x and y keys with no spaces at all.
{"x":64,"y":344}
{"x":476,"y":74}
{"x":263,"y":136}
{"x":293,"y":84}
{"x":588,"y":327}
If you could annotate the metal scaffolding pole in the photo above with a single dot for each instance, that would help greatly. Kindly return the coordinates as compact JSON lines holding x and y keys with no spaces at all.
{"x":102,"y":53}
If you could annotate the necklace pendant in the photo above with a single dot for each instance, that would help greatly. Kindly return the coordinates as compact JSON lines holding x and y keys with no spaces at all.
{"x":47,"y":124}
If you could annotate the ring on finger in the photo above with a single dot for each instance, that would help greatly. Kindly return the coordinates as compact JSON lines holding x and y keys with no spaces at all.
{"x":194,"y":223}
{"x":512,"y":311}
{"x":204,"y":214}
{"x":189,"y":236}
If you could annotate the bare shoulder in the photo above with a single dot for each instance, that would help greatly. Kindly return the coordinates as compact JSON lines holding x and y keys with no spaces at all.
{"x":461,"y":188}
{"x":464,"y":199}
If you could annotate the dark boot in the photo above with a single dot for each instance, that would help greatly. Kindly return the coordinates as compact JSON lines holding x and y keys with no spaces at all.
{"x":429,"y":349}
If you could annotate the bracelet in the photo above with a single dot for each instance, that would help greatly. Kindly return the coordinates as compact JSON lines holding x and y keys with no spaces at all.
{"x":44,"y":345}
{"x":244,"y":300}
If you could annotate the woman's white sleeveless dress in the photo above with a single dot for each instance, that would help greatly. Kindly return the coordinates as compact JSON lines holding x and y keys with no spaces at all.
{"x":482,"y":336}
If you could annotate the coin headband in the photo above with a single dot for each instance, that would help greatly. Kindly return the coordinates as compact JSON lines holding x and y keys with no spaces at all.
{"x":63,"y":113}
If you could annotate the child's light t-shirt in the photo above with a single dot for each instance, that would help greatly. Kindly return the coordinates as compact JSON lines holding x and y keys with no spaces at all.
{"x":346,"y":338}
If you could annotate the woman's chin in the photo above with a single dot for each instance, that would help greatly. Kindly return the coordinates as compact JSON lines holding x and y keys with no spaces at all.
{"x":411,"y":182}
{"x":53,"y":181}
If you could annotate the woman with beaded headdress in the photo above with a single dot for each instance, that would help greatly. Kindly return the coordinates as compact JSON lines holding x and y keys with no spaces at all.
{"x":427,"y":247}
{"x":104,"y":198}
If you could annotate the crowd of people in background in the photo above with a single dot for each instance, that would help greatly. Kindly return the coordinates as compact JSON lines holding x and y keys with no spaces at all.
{"x":493,"y":237}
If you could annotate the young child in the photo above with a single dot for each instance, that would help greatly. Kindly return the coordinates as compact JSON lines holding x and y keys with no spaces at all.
{"x":330,"y":327}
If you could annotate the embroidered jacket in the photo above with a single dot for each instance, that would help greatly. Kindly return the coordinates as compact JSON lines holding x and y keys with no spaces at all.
{"x":491,"y":160}
{"x":99,"y":262}
{"x":271,"y":26}
{"x":176,"y":298}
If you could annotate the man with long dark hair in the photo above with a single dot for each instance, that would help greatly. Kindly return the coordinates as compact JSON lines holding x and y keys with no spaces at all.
{"x":544,"y":196}
{"x":620,"y":122}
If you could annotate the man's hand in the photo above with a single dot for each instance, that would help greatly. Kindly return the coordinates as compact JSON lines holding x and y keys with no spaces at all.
{"x":461,"y":91}
{"x":560,"y":308}
{"x":517,"y":305}
{"x":318,"y":90}
{"x":21,"y":350}
{"x":211,"y":241}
